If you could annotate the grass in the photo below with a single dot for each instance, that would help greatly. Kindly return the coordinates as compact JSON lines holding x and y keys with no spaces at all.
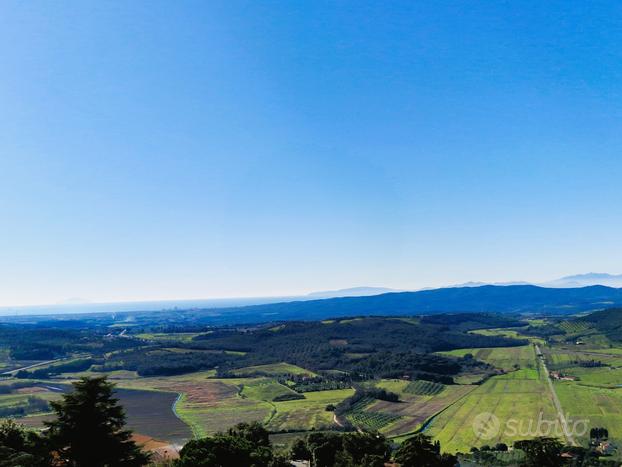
{"x":273,"y":369}
{"x":211,"y":404}
{"x":568,"y":361}
{"x":206,"y":418}
{"x":373,"y":421}
{"x":537,"y":322}
{"x":114,"y":375}
{"x":265,"y":389}
{"x":168,"y":336}
{"x":361,"y":417}
{"x":600,"y":377}
{"x":349,"y":320}
{"x":505,"y":358}
{"x":517,"y":399}
{"x":394,"y":385}
{"x":424,"y":388}
{"x":575,"y":327}
{"x":597,"y":406}
{"x":208,"y":404}
{"x":309,"y":413}
{"x":510,"y":333}
{"x":19,"y":397}
{"x":414,"y":409}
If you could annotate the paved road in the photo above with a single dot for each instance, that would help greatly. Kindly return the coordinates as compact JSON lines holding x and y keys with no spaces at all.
{"x":560,"y":412}
{"x":10,"y":372}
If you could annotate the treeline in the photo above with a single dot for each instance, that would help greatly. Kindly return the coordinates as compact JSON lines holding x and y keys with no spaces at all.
{"x":537,"y":452}
{"x":32,"y":342}
{"x":72,"y":366}
{"x":388,"y":347}
{"x":73,"y":439}
{"x":101,"y":439}
{"x":607,"y":322}
{"x":249,"y":445}
{"x":361,"y":393}
{"x":31,"y":405}
{"x":161,"y":362}
{"x":363,"y":349}
{"x":471,"y":321}
{"x":304,"y":383}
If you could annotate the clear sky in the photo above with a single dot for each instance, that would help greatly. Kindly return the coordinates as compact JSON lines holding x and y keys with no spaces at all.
{"x":163,"y":150}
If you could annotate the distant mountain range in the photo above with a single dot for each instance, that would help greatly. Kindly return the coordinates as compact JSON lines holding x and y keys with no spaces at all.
{"x":455,"y":303}
{"x":584,"y":280}
{"x":352,"y":292}
{"x":513,"y":299}
{"x":579,"y":280}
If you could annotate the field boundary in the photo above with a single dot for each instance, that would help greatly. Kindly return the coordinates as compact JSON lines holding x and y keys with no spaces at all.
{"x":556,"y":403}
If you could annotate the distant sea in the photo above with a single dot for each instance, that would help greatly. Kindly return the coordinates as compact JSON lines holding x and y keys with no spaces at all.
{"x":138,"y":306}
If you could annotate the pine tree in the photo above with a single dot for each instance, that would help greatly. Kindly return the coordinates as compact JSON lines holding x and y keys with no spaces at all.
{"x":88,"y":431}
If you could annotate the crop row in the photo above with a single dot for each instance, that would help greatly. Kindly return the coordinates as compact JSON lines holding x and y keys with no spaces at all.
{"x":424,"y":388}
{"x":373,"y":421}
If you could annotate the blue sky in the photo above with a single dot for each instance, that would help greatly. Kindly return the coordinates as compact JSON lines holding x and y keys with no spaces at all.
{"x":161,"y":150}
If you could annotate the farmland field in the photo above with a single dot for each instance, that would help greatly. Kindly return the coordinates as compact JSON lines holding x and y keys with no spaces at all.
{"x":291,"y":401}
{"x":208,"y":405}
{"x":211,"y":404}
{"x":598,"y":406}
{"x":413,"y":409}
{"x":513,"y":333}
{"x":272,"y":370}
{"x":505,"y":358}
{"x":424,"y":388}
{"x":309,"y":413}
{"x":517,"y":399}
{"x":367,"y":419}
{"x":148,"y":413}
{"x":170,"y":336}
{"x":265,"y":389}
{"x":560,"y":357}
{"x":601,"y":377}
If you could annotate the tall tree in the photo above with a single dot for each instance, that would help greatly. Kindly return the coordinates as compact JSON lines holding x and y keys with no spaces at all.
{"x":246,"y":444}
{"x":89,"y":428}
{"x":19,"y":447}
{"x":419,"y":451}
{"x":542,"y":452}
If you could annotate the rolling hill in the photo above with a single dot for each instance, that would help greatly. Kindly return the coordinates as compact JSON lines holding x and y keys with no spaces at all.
{"x":488,"y":298}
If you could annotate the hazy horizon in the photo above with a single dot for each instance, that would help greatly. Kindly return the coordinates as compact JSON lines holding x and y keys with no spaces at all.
{"x":76,"y":303}
{"x":163,"y":150}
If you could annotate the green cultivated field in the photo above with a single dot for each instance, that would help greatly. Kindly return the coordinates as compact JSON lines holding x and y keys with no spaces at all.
{"x":598,"y":406}
{"x":175,"y":408}
{"x":265,"y":389}
{"x":512,"y":333}
{"x":211,"y":404}
{"x":517,"y":399}
{"x":424,"y":388}
{"x":504,"y":358}
{"x":308,"y":413}
{"x":408,"y":415}
{"x":274,"y":369}
{"x":601,"y":377}
{"x":559,"y":358}
{"x":169,"y":336}
{"x":360,"y":417}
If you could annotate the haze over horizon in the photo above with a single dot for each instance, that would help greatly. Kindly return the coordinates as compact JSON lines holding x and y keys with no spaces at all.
{"x":161,"y":150}
{"x":78,"y":304}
